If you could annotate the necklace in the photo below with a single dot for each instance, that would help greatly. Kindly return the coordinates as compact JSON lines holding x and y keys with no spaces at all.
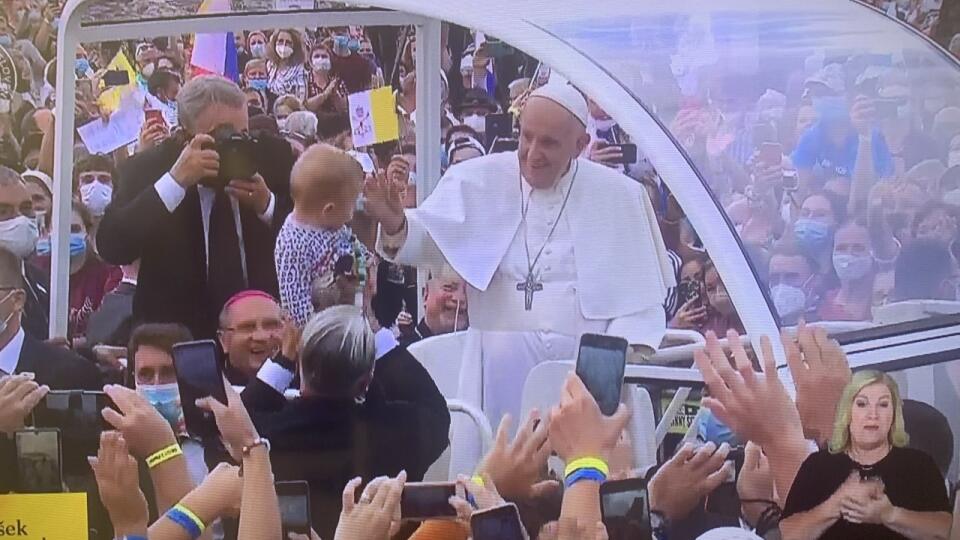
{"x":531,"y":284}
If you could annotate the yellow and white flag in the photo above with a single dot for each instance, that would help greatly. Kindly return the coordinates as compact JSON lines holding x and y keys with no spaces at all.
{"x":373,"y":117}
{"x":110,"y":99}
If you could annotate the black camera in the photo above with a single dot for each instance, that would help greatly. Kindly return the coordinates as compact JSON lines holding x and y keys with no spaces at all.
{"x":237,"y":152}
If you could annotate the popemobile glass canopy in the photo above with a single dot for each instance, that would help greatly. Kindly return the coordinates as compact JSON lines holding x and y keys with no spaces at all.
{"x":707,"y":90}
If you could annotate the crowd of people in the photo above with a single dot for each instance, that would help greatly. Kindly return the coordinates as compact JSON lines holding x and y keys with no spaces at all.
{"x":240,"y":214}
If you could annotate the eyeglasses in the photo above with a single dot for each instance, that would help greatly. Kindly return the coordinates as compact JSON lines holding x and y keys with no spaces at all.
{"x":267,"y":325}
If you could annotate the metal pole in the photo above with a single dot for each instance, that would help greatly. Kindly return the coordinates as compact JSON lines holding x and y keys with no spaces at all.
{"x":428,"y":119}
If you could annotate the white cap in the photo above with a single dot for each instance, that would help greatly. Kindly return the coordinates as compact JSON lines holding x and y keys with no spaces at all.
{"x":566,"y":96}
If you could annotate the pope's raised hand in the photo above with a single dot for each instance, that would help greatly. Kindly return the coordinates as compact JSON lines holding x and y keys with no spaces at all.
{"x":384,"y":201}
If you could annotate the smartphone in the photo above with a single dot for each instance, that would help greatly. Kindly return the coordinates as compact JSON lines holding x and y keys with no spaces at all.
{"x":600,"y":364}
{"x":771,"y":153}
{"x":92,"y":403}
{"x":116,"y":78}
{"x":154,"y":116}
{"x":791,"y":180}
{"x":38,"y":461}
{"x":887,"y":108}
{"x":625,"y":507}
{"x":498,"y":523}
{"x":628,"y":153}
{"x":497,"y":49}
{"x":294,"y":500}
{"x":498,"y":126}
{"x":764,"y":132}
{"x":427,"y":500}
{"x":199,"y":375}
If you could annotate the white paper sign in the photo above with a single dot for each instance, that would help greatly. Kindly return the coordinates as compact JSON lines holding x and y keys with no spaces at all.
{"x":361,"y":119}
{"x":104,"y":137}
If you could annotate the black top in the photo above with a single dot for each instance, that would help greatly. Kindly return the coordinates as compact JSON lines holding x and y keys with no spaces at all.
{"x":910,"y":478}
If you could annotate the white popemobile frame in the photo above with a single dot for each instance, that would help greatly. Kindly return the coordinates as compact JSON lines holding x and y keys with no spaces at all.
{"x":508,"y":20}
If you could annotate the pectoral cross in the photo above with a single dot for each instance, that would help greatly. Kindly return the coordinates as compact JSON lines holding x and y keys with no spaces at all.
{"x":529,"y":286}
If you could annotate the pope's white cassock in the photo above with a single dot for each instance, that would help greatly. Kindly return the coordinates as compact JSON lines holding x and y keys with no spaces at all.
{"x":603,"y":270}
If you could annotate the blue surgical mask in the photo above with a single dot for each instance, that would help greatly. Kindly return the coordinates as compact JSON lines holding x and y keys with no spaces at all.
{"x":82,"y":66}
{"x":78,"y":245}
{"x":353,"y":44}
{"x":165,"y":398}
{"x":258,"y":84}
{"x":812,"y":236}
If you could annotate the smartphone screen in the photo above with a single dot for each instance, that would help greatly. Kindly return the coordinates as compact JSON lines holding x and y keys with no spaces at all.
{"x":38,"y":461}
{"x":771,"y":153}
{"x":628,"y":153}
{"x":504,"y":145}
{"x":426,"y":500}
{"x":154,"y":116}
{"x":600,"y":365}
{"x":199,"y":375}
{"x":116,"y":78}
{"x":625,"y":507}
{"x":498,"y":126}
{"x":499,"y":523}
{"x":294,"y":500}
{"x":92,"y":403}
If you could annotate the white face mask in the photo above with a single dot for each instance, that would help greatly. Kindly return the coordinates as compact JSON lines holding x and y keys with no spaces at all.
{"x":19,"y":236}
{"x":96,"y":196}
{"x":852,"y":267}
{"x":604,"y":125}
{"x":477,"y":122}
{"x":321,"y":63}
{"x":788,"y":300}
{"x":284,"y":51}
{"x":148,"y":70}
{"x":258,"y":50}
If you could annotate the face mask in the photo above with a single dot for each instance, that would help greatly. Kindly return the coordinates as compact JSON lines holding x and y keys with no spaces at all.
{"x":321,"y":63}
{"x":284,"y":51}
{"x":78,"y":245}
{"x":148,"y":70}
{"x":788,"y":300}
{"x":6,"y":40}
{"x":604,"y":125}
{"x":477,"y":122}
{"x":96,"y":196}
{"x":851,"y":267}
{"x":953,"y":159}
{"x":341,"y":45}
{"x":165,"y":398}
{"x":258,"y":50}
{"x":19,"y":236}
{"x":812,"y":236}
{"x":82,"y":66}
{"x":258,"y":84}
{"x":353,"y":45}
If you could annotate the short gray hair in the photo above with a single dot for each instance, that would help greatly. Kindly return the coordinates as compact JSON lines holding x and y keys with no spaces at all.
{"x":303,"y":123}
{"x":337,"y":350}
{"x":206,"y":91}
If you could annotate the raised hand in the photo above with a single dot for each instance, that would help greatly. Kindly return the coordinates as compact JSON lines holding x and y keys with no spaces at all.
{"x":195,"y":163}
{"x":143,"y":428}
{"x":755,"y":483}
{"x":19,"y":394}
{"x":119,"y":484}
{"x":234,"y":422}
{"x":687,"y":477}
{"x":371,"y":517}
{"x":515,"y":467}
{"x":820,"y":370}
{"x":252,"y":193}
{"x":384,"y":201}
{"x":578,"y":428}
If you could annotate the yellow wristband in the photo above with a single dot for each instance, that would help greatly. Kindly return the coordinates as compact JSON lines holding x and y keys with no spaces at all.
{"x":193,"y":517}
{"x":478,"y":480}
{"x":163,"y":455}
{"x":587,"y":463}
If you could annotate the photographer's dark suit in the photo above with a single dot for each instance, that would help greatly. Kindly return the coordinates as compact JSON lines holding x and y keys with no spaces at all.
{"x":172,"y":284}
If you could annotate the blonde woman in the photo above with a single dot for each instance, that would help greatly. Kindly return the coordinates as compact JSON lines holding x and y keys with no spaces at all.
{"x":868,"y":484}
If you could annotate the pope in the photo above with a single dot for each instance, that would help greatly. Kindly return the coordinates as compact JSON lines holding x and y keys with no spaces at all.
{"x":551,"y":246}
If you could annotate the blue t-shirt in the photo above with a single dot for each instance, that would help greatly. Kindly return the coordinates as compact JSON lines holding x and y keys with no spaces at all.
{"x":815,"y":152}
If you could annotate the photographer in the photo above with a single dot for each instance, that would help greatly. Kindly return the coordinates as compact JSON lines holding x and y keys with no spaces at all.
{"x":201,"y":235}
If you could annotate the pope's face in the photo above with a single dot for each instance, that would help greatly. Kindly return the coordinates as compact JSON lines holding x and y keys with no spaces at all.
{"x":549,"y":138}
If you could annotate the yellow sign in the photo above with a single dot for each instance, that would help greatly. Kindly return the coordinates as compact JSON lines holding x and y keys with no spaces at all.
{"x":54,"y":516}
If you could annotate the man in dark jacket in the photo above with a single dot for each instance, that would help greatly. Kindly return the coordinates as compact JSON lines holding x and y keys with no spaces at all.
{"x":349,"y":421}
{"x":201,"y":234}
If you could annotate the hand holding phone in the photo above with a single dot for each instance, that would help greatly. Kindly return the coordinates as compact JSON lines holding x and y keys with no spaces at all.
{"x":199,"y":375}
{"x":142,"y":427}
{"x":375,"y":511}
{"x":294,"y":499}
{"x":600,"y":365}
{"x":421,"y":501}
{"x":624,"y":505}
{"x":232,"y":420}
{"x":498,"y":523}
{"x":578,"y":428}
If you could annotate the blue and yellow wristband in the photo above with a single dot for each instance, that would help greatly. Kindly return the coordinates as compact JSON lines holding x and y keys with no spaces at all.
{"x":184,"y":517}
{"x":586,"y":468}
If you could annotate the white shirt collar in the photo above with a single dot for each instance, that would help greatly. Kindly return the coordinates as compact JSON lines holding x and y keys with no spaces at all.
{"x":10,"y":355}
{"x":132,"y":281}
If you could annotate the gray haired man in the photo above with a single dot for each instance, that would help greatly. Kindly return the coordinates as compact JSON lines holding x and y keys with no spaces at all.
{"x":201,"y":238}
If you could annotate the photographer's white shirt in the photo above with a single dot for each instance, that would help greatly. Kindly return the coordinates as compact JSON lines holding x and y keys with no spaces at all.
{"x":10,"y":355}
